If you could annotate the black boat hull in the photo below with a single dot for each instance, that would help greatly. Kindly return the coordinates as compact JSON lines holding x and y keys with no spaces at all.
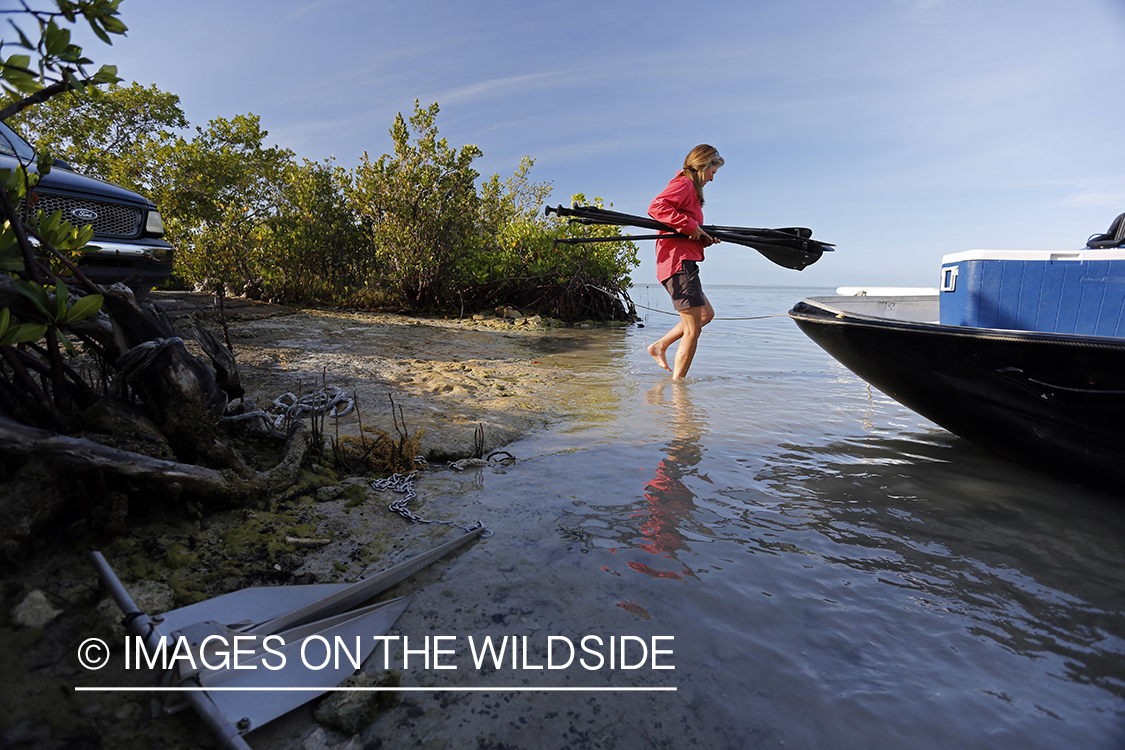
{"x":1053,"y":402}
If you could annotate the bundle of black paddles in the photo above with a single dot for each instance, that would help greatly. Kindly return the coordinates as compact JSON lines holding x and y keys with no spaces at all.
{"x":791,"y":247}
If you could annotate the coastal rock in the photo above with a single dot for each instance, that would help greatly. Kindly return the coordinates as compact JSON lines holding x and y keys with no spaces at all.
{"x":317,"y":740}
{"x":328,"y":494}
{"x":351,"y":711}
{"x":468,"y":463}
{"x":34,"y":611}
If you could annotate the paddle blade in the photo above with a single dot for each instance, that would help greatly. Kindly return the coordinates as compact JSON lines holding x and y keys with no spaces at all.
{"x":794,"y":258}
{"x":790,"y":251}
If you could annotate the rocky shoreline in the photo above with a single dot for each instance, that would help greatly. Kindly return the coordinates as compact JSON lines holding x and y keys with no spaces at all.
{"x":465,"y":387}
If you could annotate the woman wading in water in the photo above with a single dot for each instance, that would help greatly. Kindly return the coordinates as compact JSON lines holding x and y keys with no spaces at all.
{"x":680,"y":206}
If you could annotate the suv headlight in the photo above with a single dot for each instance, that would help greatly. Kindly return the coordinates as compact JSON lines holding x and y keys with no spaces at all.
{"x":154,"y":224}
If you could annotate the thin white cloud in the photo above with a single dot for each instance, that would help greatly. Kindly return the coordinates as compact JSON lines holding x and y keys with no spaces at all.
{"x":499,"y":87}
{"x":306,"y":9}
{"x":1108,"y":194}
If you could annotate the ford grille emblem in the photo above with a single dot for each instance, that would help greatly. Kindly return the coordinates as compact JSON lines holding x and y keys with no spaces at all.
{"x":84,"y":214}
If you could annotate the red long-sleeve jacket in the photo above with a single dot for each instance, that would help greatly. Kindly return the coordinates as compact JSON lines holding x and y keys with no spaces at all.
{"x":677,"y":206}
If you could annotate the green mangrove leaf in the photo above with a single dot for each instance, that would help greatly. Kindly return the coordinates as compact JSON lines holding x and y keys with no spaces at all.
{"x":84,"y":308}
{"x":36,"y":293}
{"x":62,"y":297}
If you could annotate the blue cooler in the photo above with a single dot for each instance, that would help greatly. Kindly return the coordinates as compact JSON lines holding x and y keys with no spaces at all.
{"x":1081,"y":292}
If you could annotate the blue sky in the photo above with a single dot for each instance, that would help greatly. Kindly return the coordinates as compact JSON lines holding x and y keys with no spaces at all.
{"x":900,"y":130}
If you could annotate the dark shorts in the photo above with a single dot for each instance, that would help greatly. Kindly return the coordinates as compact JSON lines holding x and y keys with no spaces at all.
{"x":685,"y":287}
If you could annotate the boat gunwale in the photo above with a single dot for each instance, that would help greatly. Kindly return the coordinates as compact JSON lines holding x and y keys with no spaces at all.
{"x":839,"y":316}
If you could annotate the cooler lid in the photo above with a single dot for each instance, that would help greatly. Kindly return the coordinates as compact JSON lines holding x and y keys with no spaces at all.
{"x":1083,"y":254}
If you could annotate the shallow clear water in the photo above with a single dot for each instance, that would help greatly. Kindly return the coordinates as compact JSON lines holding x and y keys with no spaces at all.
{"x":835,"y":570}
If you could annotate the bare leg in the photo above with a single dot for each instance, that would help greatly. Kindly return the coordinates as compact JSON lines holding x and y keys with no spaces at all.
{"x":691,"y":320}
{"x":657,"y":350}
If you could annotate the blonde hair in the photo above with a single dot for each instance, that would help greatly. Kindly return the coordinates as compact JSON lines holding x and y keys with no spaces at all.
{"x":697,"y":162}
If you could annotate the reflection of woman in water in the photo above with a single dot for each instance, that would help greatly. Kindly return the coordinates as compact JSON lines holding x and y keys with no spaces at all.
{"x":680,"y":206}
{"x":670,"y":502}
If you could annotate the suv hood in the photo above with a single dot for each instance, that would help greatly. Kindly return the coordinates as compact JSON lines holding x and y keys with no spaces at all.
{"x":64,"y":181}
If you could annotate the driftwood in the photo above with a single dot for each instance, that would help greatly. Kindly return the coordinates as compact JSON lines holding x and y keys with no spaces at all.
{"x":227,"y":374}
{"x":27,"y":511}
{"x":176,"y":390}
{"x":199,"y":480}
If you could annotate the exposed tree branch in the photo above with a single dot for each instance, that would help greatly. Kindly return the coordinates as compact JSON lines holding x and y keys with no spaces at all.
{"x":41,"y":95}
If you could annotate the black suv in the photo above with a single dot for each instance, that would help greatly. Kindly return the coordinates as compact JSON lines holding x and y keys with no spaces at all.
{"x":127,"y":227}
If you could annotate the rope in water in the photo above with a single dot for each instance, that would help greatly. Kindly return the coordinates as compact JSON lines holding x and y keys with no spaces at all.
{"x":756,"y":317}
{"x":665,"y":312}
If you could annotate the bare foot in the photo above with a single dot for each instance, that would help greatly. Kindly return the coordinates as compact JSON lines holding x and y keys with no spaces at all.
{"x":657,"y":353}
